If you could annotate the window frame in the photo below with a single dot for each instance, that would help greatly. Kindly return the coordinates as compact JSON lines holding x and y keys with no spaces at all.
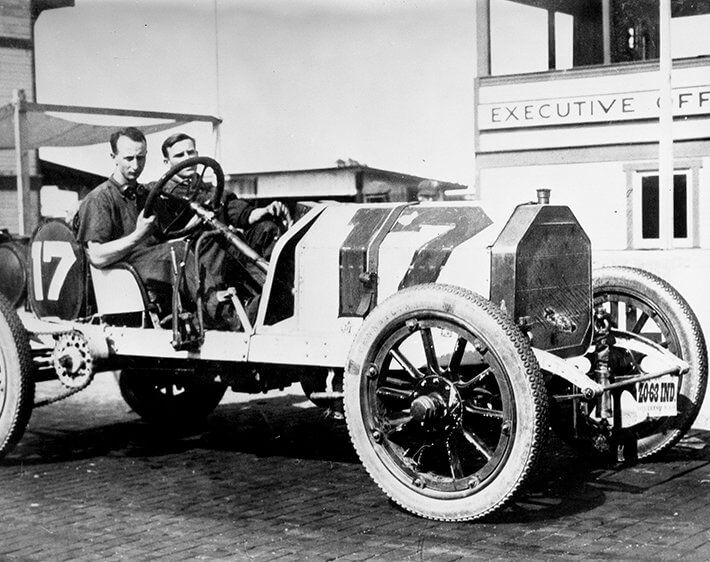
{"x":634,"y":176}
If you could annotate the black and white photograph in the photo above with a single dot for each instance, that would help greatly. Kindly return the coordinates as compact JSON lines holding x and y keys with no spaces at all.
{"x":354,"y":280}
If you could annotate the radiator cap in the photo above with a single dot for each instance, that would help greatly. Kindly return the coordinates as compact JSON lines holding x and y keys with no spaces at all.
{"x":543,"y":196}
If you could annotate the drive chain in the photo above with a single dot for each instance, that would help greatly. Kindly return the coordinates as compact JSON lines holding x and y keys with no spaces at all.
{"x":69,"y":391}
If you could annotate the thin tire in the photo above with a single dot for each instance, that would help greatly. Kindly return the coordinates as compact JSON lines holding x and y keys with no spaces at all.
{"x":16,"y":382}
{"x":444,"y":402}
{"x":660,"y":313}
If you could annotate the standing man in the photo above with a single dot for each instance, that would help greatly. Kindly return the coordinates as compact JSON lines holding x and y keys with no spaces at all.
{"x":260,"y":225}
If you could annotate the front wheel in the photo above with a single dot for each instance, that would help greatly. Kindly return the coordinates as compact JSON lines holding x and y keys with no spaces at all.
{"x":168,"y":399}
{"x":640,"y":302}
{"x":444,"y":402}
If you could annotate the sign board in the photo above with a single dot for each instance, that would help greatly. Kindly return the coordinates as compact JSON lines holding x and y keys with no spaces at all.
{"x":601,"y":108}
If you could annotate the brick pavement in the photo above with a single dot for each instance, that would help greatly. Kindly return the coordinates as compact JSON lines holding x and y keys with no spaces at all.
{"x":269,"y":478}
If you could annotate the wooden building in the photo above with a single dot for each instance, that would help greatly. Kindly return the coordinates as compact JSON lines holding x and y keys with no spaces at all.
{"x":17,"y":19}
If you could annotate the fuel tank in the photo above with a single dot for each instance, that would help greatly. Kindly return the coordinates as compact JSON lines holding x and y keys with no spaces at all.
{"x":350,"y":257}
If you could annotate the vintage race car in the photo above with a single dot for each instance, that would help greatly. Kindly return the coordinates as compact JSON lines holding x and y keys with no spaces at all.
{"x":451,"y":343}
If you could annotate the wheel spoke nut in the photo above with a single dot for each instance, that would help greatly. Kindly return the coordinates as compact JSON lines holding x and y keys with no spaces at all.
{"x":505,"y":428}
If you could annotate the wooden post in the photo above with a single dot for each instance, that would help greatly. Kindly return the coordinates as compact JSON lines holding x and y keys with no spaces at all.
{"x":606,"y":31}
{"x":665,"y":129}
{"x":483,"y":38}
{"x":216,"y":138}
{"x":22,"y":169}
{"x":551,"y":45}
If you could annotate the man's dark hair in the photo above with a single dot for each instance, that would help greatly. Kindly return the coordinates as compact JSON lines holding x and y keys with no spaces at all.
{"x":130,"y":132}
{"x":174,"y":139}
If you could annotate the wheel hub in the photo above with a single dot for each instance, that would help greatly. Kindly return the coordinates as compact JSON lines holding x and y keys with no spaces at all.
{"x":436,"y":404}
{"x":427,"y":407}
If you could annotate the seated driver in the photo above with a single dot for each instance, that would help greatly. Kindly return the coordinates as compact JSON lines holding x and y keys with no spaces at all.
{"x":261,"y":225}
{"x":110,"y":222}
{"x":111,"y":225}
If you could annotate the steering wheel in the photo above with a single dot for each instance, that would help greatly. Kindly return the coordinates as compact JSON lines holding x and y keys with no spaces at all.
{"x":169,"y":199}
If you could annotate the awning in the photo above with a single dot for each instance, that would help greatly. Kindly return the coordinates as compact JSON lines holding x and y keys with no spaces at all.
{"x":28,"y":126}
{"x":43,"y":129}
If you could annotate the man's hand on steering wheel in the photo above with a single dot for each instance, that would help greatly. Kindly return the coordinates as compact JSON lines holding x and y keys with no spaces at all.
{"x":275,"y":209}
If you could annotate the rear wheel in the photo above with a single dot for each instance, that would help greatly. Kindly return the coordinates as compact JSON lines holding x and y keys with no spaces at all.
{"x":167,"y":399}
{"x":444,"y":402}
{"x":13,"y":271}
{"x":16,"y":383}
{"x":642,"y":303}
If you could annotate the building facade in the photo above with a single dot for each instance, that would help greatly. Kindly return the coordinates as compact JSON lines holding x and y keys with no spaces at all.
{"x":17,"y":18}
{"x":567,"y":96}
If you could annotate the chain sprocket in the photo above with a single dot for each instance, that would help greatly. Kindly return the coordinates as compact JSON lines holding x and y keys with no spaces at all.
{"x":72,"y":363}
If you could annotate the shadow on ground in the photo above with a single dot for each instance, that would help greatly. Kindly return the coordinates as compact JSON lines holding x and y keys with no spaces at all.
{"x":275,"y":426}
{"x":280,"y":427}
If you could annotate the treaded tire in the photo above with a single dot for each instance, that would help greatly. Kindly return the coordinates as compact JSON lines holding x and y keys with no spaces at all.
{"x":168,"y":400}
{"x":496,"y":354}
{"x":685,"y":339}
{"x":16,"y":382}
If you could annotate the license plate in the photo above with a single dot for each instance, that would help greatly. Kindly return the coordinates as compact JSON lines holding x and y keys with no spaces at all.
{"x":658,"y":397}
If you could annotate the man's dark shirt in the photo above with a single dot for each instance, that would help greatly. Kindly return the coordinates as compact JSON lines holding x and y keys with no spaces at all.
{"x":105,"y":214}
{"x":237,"y":211}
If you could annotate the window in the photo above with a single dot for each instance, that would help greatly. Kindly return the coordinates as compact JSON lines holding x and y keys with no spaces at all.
{"x":376,"y":198}
{"x":635,"y":33}
{"x":650,"y":207}
{"x":518,"y":38}
{"x":689,"y":36}
{"x":532,"y":36}
{"x":650,"y":214}
{"x":564,"y":41}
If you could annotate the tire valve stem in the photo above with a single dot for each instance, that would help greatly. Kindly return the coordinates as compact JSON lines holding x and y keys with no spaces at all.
{"x":377,"y":436}
{"x":473,"y":483}
{"x":418,"y":482}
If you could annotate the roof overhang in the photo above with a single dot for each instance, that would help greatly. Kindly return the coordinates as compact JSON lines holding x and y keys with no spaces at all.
{"x":44,"y":128}
{"x":26,"y":126}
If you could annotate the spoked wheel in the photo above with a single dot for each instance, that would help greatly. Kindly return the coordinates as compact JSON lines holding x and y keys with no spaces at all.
{"x":642,"y":303}
{"x":444,"y":402}
{"x":167,"y":399}
{"x":199,"y":179}
{"x":16,"y":382}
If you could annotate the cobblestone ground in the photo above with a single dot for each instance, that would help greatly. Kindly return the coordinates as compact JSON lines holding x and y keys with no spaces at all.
{"x":270,"y":478}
